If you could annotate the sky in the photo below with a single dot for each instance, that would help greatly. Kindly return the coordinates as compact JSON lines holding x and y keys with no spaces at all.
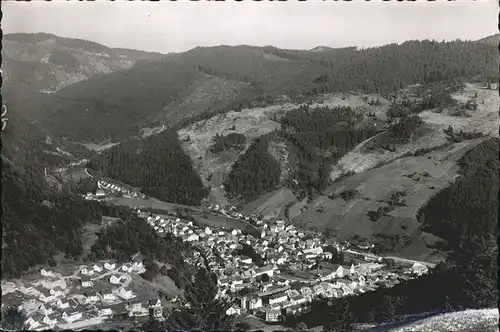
{"x":179,"y":26}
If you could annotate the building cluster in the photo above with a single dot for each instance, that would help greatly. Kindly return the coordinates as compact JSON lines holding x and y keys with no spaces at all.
{"x":107,"y":189}
{"x":280,"y":271}
{"x":283,"y":270}
{"x":101,"y":291}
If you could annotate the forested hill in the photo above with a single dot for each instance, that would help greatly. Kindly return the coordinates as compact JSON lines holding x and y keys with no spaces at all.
{"x":157,"y":165}
{"x":118,"y":104}
{"x":46,"y":62}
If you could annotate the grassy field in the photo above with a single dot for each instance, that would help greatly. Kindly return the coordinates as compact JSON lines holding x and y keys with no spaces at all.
{"x":144,"y":203}
{"x":89,"y":237}
{"x":270,"y":204}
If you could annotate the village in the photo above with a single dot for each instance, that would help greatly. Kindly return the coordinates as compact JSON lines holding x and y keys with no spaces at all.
{"x":272,"y":276}
{"x":90,"y":295}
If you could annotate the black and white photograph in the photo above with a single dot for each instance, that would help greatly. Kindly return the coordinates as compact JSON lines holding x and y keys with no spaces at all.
{"x":250,"y":165}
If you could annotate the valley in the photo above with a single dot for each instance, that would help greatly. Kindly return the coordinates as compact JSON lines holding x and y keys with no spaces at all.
{"x":353,"y":177}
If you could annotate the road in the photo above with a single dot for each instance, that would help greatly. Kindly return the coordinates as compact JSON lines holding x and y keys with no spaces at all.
{"x":87,"y":172}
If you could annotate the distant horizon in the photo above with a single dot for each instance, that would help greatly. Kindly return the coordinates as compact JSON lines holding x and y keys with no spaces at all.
{"x":176,"y":27}
{"x":237,"y":45}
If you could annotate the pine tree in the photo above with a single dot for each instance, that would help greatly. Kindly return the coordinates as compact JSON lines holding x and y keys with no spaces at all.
{"x":203,"y":310}
{"x":13,"y":319}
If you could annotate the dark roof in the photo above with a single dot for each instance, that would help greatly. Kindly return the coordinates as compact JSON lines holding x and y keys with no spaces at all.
{"x":277,"y":295}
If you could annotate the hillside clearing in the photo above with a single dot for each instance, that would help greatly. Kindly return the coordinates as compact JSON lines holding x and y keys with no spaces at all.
{"x":350,"y":218}
{"x":484,"y":119}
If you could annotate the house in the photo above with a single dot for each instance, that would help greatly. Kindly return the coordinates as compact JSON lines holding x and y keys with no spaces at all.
{"x":71,"y":315}
{"x":62,"y":304}
{"x":134,"y":306}
{"x":272,"y":315}
{"x":46,"y":273}
{"x":254,"y":302}
{"x":233,"y":311}
{"x":50,"y":320}
{"x":45,"y":309}
{"x":45,"y":295}
{"x":108,"y":296}
{"x":84,"y":271}
{"x":109,"y":266}
{"x":278,"y":298}
{"x":97,"y":268}
{"x":115,"y":280}
{"x":137,"y":309}
{"x":154,"y":303}
{"x":105,"y":311}
{"x":91,"y":297}
{"x":57,"y":291}
{"x":299,"y":299}
{"x":125,"y":294}
{"x":419,"y":268}
{"x":86,"y":282}
{"x":157,"y":312}
{"x":327,"y":255}
{"x":33,"y":322}
{"x":126,"y":267}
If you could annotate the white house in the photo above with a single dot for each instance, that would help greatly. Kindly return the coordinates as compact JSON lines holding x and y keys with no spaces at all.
{"x":45,"y":310}
{"x":272,"y":315}
{"x":106,"y":311}
{"x":126,"y":267}
{"x":91,"y":297}
{"x":419,"y":268}
{"x":62,"y":304}
{"x":57,"y":291}
{"x":299,"y":299}
{"x":137,"y":309}
{"x":278,"y":298}
{"x":115,"y":280}
{"x":97,"y":268}
{"x":254,"y":303}
{"x":86,"y":282}
{"x":71,"y":315}
{"x":125,"y":294}
{"x":108,"y":296}
{"x":233,"y":311}
{"x":109,"y":266}
{"x":138,"y":266}
{"x":49,"y":320}
{"x":208,"y":231}
{"x":32,"y":323}
{"x":45,"y":296}
{"x":46,"y":273}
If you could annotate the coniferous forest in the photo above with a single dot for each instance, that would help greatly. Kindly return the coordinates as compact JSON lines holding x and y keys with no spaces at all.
{"x":254,"y":173}
{"x":157,"y":165}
